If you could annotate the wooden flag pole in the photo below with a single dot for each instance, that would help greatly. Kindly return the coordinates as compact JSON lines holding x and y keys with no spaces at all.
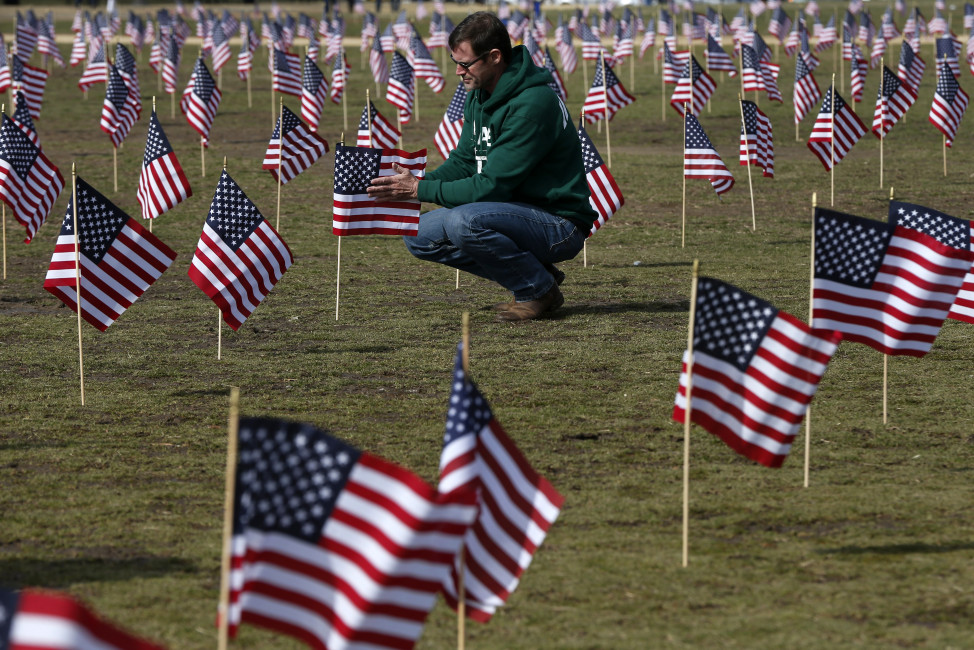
{"x":273,"y":108}
{"x":77,"y":276}
{"x":250,"y":101}
{"x":223,"y":610}
{"x":172,"y":105}
{"x":219,"y":79}
{"x":882,"y":116}
{"x":683,"y":232}
{"x":686,"y":416}
{"x":344,"y":103}
{"x":832,"y":147}
{"x":886,"y":360}
{"x":368,"y":112}
{"x":202,"y":157}
{"x":747,"y":148}
{"x":581,"y":121}
{"x":399,"y":126}
{"x":662,"y":98}
{"x":115,"y":167}
{"x":153,"y":110}
{"x":811,"y":299}
{"x":605,"y":101}
{"x":280,"y":162}
{"x":3,"y":208}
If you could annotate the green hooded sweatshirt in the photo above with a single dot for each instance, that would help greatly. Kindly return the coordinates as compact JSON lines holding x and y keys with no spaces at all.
{"x":518,"y":145}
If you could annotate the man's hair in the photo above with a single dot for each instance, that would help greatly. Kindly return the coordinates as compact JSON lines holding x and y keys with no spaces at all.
{"x":485,"y":32}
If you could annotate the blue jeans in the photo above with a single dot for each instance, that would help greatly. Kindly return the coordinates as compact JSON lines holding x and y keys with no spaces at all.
{"x":508,"y":243}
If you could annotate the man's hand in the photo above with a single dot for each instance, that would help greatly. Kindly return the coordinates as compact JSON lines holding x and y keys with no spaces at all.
{"x":400,"y":187}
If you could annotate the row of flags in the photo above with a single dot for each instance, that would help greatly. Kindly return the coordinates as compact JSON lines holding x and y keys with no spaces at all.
{"x":889,"y":285}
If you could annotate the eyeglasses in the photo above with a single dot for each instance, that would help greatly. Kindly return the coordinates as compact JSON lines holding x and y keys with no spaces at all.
{"x":466,"y":65}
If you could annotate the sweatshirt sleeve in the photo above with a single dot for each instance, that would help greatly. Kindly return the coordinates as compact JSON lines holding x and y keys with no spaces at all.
{"x":522,"y":141}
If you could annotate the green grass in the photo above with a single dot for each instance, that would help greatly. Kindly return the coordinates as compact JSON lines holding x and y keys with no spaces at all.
{"x":120,"y":501}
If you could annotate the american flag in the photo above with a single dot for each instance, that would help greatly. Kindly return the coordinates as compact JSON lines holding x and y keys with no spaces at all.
{"x":387,"y":40}
{"x":97,"y":69}
{"x":517,"y":505}
{"x":170,"y":65}
{"x":827,"y":37}
{"x":699,"y":89}
{"x":947,"y":52}
{"x":245,"y":62}
{"x":794,"y":41}
{"x":718,"y":59}
{"x":937,"y":24}
{"x":807,"y":93}
{"x":607,"y":95}
{"x":26,"y":37}
{"x":888,"y":285}
{"x":119,"y":110}
{"x":239,"y":257}
{"x":848,"y":129}
{"x":221,"y":47}
{"x":355,"y":212}
{"x":119,"y":258}
{"x":758,"y":74}
{"x":780,"y":24}
{"x":29,"y":182}
{"x":754,"y":371}
{"x":867,"y":31}
{"x":384,"y":134}
{"x":673,"y":64}
{"x":162,"y":183}
{"x":29,"y":80}
{"x":402,"y":87}
{"x":22,"y":118}
{"x":534,"y":51}
{"x":314,"y":92}
{"x":78,"y":50}
{"x":285,"y":75}
{"x":448,"y":134}
{"x":857,"y":68}
{"x":888,"y":26}
{"x":339,"y":78}
{"x":878,"y":52}
{"x":556,"y":84}
{"x":292,"y":148}
{"x":701,"y":160}
{"x":378,"y":63}
{"x":591,"y":45}
{"x":127,"y":68}
{"x":604,"y":193}
{"x":43,"y":620}
{"x":892,"y":102}
{"x":757,"y":143}
{"x":911,"y":66}
{"x":424,"y":67}
{"x":369,"y":542}
{"x":46,"y":44}
{"x":949,"y":103}
{"x":649,"y":40}
{"x":805,"y":52}
{"x":625,"y":35}
{"x":566,"y":52}
{"x":200,"y":101}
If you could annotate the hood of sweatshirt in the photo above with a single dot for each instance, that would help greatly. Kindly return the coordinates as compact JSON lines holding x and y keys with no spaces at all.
{"x":519,"y":75}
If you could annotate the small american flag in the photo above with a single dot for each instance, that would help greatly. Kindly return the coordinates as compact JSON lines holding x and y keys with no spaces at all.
{"x":78,"y":50}
{"x":556,"y":84}
{"x":119,"y":258}
{"x":805,"y":51}
{"x":378,"y":63}
{"x":517,"y":505}
{"x":127,"y":68}
{"x":827,"y":37}
{"x":46,"y":619}
{"x":844,"y":126}
{"x":911,"y":66}
{"x":339,"y":78}
{"x":424,"y":67}
{"x":949,"y":104}
{"x":200,"y":101}
{"x":857,"y":68}
{"x":606,"y":96}
{"x":22,"y":118}
{"x":162,"y":183}
{"x":673,"y":64}
{"x":119,"y":110}
{"x":604,"y":193}
{"x":314,"y":92}
{"x":355,"y":212}
{"x":892,"y":102}
{"x":401,"y":89}
{"x":335,"y":546}
{"x":757,"y":143}
{"x":221,"y":47}
{"x":245,"y":62}
{"x":718,"y":59}
{"x":448,"y":134}
{"x":947,"y":52}
{"x":170,"y":65}
{"x":239,"y":257}
{"x":46,"y":44}
{"x":888,"y":285}
{"x":29,"y":80}
{"x":701,"y":160}
{"x":285,"y":76}
{"x":292,"y":148}
{"x":384,"y":134}
{"x":26,"y":37}
{"x":754,"y":371}
{"x":591,"y":45}
{"x":649,"y":40}
{"x":759,"y":74}
{"x":698,"y":90}
{"x":29,"y":182}
{"x":806,"y":93}
{"x":566,"y":52}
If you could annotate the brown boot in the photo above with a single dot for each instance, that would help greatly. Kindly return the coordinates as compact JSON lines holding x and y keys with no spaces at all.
{"x":520,"y":311}
{"x":504,"y":306}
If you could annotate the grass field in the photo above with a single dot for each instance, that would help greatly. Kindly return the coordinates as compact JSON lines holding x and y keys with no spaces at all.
{"x":120,"y":501}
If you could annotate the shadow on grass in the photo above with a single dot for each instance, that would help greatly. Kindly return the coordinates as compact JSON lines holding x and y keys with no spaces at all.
{"x":899,"y":549}
{"x":57,"y":574}
{"x":652,"y":307}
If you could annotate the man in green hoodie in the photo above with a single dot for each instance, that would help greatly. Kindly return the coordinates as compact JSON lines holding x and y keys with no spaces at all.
{"x":514,"y":195}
